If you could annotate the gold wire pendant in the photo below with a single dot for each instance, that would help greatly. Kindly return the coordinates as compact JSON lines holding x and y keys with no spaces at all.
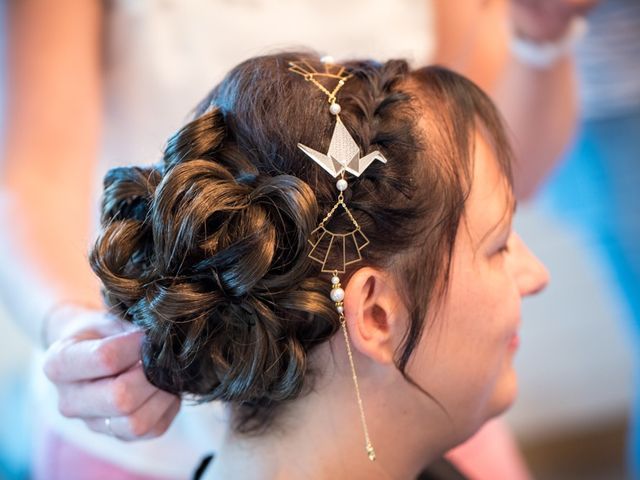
{"x":334,"y":250}
{"x":337,"y":250}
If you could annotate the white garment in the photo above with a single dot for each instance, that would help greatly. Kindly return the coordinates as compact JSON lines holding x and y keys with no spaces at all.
{"x":162,"y":57}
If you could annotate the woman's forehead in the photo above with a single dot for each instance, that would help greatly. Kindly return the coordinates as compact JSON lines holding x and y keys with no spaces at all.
{"x":490,"y":204}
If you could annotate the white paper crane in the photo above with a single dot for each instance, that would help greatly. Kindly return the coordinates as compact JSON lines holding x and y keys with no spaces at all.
{"x":343,"y":154}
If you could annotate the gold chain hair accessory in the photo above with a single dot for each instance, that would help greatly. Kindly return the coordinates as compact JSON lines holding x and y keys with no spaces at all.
{"x":335,"y":250}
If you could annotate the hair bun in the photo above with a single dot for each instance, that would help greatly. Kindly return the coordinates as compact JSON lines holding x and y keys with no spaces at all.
{"x":231,"y":270}
{"x":207,"y":224}
{"x":209,"y":259}
{"x":128,"y":192}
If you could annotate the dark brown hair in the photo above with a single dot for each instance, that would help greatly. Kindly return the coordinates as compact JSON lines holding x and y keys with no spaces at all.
{"x":207,"y":250}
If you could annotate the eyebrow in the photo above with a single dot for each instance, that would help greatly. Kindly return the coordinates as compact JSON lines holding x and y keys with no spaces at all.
{"x":505,"y":220}
{"x":510,"y":213}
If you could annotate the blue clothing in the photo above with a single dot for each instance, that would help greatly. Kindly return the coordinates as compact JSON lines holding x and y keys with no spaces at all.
{"x":597,"y":186}
{"x":597,"y":189}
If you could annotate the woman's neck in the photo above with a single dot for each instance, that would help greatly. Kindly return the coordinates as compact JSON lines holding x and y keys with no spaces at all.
{"x":320,"y":435}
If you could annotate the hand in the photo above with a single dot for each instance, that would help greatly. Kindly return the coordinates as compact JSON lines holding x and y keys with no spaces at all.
{"x":96,"y":368}
{"x":546,"y":20}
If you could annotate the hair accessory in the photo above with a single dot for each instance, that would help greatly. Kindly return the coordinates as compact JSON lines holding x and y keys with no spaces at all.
{"x":335,"y":250}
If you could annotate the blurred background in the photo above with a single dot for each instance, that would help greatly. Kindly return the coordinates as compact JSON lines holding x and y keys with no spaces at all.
{"x":579,"y":346}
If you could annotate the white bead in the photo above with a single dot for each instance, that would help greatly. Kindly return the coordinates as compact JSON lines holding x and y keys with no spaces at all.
{"x":340,"y":309}
{"x":335,"y":280}
{"x":327,"y":59}
{"x":337,"y":294}
{"x":335,"y":108}
{"x":342,"y":184}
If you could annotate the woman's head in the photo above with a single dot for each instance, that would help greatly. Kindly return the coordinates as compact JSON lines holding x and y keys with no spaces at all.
{"x":207,"y":251}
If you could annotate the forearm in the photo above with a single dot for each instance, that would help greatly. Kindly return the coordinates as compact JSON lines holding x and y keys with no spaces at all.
{"x":42,"y":253}
{"x":539,"y":104}
{"x":541,"y":110}
{"x":47,"y":218}
{"x":50,"y":151}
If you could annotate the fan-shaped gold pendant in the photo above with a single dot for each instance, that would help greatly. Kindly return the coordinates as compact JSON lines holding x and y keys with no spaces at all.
{"x":337,"y":250}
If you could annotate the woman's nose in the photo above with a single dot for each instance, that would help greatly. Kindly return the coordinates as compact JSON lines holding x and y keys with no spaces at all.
{"x":530,"y":273}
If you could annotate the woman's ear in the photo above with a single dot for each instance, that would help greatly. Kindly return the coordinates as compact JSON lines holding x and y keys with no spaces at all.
{"x":374,"y":313}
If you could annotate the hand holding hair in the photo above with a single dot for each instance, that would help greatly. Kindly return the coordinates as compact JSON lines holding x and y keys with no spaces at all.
{"x":94,"y":362}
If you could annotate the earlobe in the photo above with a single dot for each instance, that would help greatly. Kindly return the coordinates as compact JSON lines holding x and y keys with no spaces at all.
{"x":372,"y":308}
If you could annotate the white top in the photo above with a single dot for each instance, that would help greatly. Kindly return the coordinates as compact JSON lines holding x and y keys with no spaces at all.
{"x":163,"y":56}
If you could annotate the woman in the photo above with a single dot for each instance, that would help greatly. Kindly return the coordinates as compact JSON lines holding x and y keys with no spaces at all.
{"x":225,"y":255}
{"x":135,"y":70}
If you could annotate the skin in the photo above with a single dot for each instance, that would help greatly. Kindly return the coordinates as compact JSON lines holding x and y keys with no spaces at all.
{"x":109,"y":380}
{"x":464,"y":359}
{"x":540,"y":105}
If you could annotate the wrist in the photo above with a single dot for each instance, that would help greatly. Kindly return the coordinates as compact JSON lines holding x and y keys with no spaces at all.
{"x":543,"y":52}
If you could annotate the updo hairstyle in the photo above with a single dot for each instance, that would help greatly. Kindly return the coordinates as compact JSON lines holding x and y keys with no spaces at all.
{"x":206,"y":251}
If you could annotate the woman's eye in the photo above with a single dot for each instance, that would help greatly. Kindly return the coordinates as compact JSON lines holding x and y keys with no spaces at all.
{"x":504,"y":248}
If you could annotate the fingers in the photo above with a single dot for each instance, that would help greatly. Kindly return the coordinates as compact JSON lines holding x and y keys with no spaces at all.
{"x":108,"y":397}
{"x":152,"y":419}
{"x":582,"y":7}
{"x":72,"y":360}
{"x":97,"y":371}
{"x":70,"y":320}
{"x":577,"y":7}
{"x":546,"y":20}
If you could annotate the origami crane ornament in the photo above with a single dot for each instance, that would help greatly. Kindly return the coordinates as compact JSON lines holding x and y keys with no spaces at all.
{"x":343,"y":154}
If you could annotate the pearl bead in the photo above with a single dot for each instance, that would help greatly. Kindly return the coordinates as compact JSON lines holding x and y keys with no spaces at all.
{"x":337,"y":294}
{"x":340,"y":309}
{"x":371,"y":453}
{"x":327,"y":59}
{"x":335,"y":280}
{"x":342,"y":184}
{"x":335,"y":108}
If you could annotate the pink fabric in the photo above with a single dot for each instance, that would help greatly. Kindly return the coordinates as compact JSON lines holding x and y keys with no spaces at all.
{"x":491,"y":454}
{"x":57,"y":459}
